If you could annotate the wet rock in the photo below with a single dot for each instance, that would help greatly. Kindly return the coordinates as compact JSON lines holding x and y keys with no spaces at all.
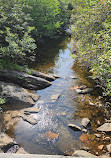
{"x":84,"y":130}
{"x":84,"y":91}
{"x":23,"y":79}
{"x":100,"y":147}
{"x":41,"y":75}
{"x":108,"y":148}
{"x":85,"y":122}
{"x":105,"y":127}
{"x":73,"y":77}
{"x":55,"y":97}
{"x":50,"y":135}
{"x":98,"y":135}
{"x":5,"y":139}
{"x":82,"y":153}
{"x":17,"y":96}
{"x":74,"y":127}
{"x":56,"y":76}
{"x":29,"y":119}
{"x":31,"y":110}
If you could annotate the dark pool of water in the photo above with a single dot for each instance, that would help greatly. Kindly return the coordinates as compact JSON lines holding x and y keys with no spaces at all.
{"x":69,"y":108}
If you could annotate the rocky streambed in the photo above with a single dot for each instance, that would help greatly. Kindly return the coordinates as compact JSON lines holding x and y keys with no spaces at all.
{"x":54,"y":114}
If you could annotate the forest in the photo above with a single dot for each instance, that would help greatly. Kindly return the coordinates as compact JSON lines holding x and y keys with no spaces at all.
{"x":26,"y":24}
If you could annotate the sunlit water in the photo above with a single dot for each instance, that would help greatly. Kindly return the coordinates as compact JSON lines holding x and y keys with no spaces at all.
{"x":55,"y":117}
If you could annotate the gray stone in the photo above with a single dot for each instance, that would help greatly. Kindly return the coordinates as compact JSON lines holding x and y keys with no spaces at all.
{"x":31,"y":110}
{"x":5,"y":139}
{"x":82,"y":153}
{"x":98,"y":135}
{"x":85,"y":122}
{"x":109,"y":148}
{"x":17,"y":96}
{"x":74,"y":127}
{"x":55,"y":97}
{"x":84,"y":130}
{"x":29,"y":119}
{"x":105,"y":127}
{"x":84,"y":91}
{"x":73,"y":77}
{"x":23,"y":79}
{"x":41,"y":75}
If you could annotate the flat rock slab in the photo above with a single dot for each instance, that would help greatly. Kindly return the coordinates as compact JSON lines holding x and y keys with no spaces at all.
{"x":16,"y":96}
{"x":29,"y":119}
{"x":5,"y":139}
{"x":73,"y":77}
{"x":55,"y":97}
{"x":74,"y":127}
{"x":82,"y":153}
{"x":31,"y":110}
{"x":105,"y":128}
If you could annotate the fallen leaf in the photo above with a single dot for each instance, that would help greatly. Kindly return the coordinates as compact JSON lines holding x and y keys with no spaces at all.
{"x":51,"y":135}
{"x":100,"y":147}
{"x":75,"y":87}
{"x":84,"y":138}
{"x":63,"y":113}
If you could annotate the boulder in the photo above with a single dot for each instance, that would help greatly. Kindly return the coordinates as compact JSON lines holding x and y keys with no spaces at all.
{"x":74,"y":127}
{"x":16,"y":96}
{"x":30,"y":119}
{"x":84,"y":91}
{"x":55,"y":97}
{"x":82,"y":153}
{"x":108,"y":148}
{"x":5,"y":139}
{"x":42,"y":75}
{"x":23,"y":79}
{"x":106,"y":127}
{"x":31,"y":110}
{"x":85,"y":122}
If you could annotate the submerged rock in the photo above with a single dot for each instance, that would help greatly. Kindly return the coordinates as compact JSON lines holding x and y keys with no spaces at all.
{"x":105,"y":127}
{"x":85,"y":122}
{"x":55,"y":97}
{"x":29,"y":119}
{"x":74,"y":127}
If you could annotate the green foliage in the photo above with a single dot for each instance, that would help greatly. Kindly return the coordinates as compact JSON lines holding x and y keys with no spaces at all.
{"x":92,"y":31}
{"x":15,"y":39}
{"x":48,"y":17}
{"x":2,"y":101}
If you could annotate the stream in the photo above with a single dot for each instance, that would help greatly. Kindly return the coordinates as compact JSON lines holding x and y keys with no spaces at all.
{"x":70,"y":107}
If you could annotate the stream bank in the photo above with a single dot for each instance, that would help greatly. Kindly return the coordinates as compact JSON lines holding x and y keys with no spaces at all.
{"x":68,"y":100}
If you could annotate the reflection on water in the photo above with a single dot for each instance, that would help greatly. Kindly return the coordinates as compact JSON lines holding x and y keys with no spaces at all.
{"x":55,"y":116}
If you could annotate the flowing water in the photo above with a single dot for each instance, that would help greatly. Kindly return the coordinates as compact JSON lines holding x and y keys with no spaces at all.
{"x":51,"y":135}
